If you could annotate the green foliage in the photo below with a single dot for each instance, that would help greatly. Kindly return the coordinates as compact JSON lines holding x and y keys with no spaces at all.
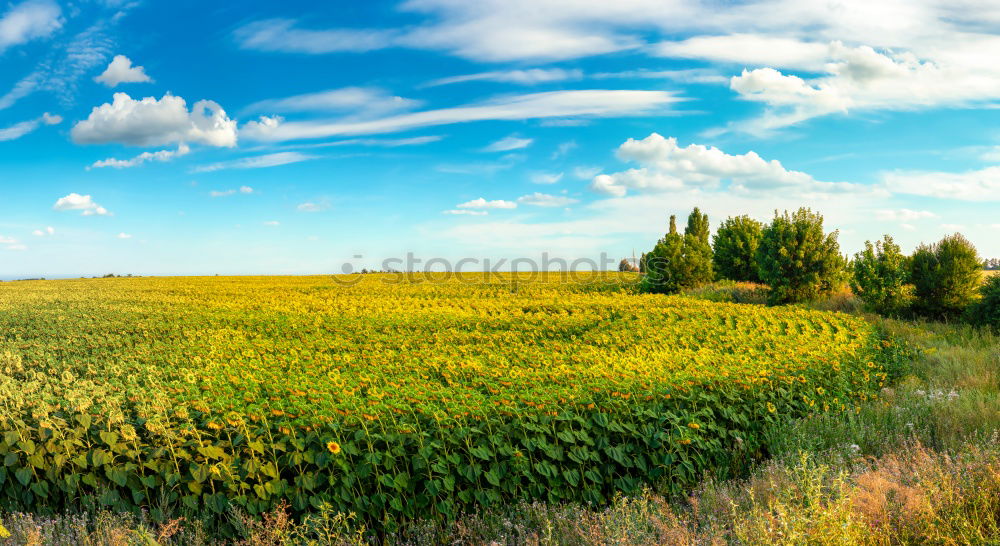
{"x":679,"y":261}
{"x":735,"y":249}
{"x":879,"y":275}
{"x":797,"y":259}
{"x":945,"y":276}
{"x":986,"y":311}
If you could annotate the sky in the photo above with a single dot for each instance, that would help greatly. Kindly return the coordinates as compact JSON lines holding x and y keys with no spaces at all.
{"x":182,"y":137}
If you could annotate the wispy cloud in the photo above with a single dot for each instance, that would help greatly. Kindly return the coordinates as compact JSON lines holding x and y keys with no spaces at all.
{"x":257,"y":162}
{"x":18,"y":130}
{"x":508,"y":143}
{"x":553,"y":104}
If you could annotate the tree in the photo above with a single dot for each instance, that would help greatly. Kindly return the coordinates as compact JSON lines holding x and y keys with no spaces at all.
{"x":625,"y":266}
{"x":680,"y":261}
{"x":879,"y":275}
{"x":797,"y":259}
{"x":945,"y":276}
{"x":986,"y":311}
{"x":735,"y":248}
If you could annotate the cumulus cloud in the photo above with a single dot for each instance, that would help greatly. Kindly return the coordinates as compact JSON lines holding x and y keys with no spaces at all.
{"x":120,"y":70}
{"x":976,"y":185}
{"x":530,"y":76}
{"x":538,"y":199}
{"x":509,"y":143}
{"x":482,"y":203}
{"x":152,"y":122}
{"x":46,"y":232}
{"x":124,"y":235}
{"x":257,"y":162}
{"x":552,"y":104}
{"x":27,"y":21}
{"x":665,"y":165}
{"x":161,"y":155}
{"x":83,"y":203}
{"x":18,"y":130}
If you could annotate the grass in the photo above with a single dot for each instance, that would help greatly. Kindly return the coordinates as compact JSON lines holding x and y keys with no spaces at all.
{"x":919,"y":465}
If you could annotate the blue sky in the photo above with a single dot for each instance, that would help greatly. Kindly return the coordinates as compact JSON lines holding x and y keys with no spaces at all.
{"x":289,"y":137}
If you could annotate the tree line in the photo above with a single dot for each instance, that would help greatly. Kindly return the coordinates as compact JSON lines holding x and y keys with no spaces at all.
{"x":799,"y":261}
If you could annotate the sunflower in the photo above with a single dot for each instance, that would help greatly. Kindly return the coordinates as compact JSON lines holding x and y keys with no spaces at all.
{"x":333,"y":447}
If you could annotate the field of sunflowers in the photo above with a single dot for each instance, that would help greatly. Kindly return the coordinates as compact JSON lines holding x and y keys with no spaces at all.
{"x":394,"y":397}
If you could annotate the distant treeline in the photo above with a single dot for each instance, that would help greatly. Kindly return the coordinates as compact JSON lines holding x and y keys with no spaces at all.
{"x":799,"y":262}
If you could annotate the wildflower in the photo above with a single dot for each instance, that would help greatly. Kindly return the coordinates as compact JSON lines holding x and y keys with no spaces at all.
{"x":333,"y":447}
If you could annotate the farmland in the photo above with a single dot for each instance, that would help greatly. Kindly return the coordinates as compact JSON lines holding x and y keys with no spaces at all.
{"x":396,"y":399}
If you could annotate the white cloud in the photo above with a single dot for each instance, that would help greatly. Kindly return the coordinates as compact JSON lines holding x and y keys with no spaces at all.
{"x":161,"y":155}
{"x":311,"y":206}
{"x":124,"y":235}
{"x":152,"y":122}
{"x":748,"y":49}
{"x":664,"y":165}
{"x":46,"y":232}
{"x":904,"y":215}
{"x":245,"y":190}
{"x":27,"y":21}
{"x":281,"y":35}
{"x":553,"y":104}
{"x":272,"y":223}
{"x":862,"y":78}
{"x":585,"y":172}
{"x":952,"y":227}
{"x":509,"y":143}
{"x":563,"y":149}
{"x":545,"y":178}
{"x":530,"y":76}
{"x":367,"y":100}
{"x":120,"y":70}
{"x":484,"y":204}
{"x":544,"y":200}
{"x":465,"y":212}
{"x":11,"y":243}
{"x":979,"y":185}
{"x":258,"y":162}
{"x":84,"y":203}
{"x":18,"y":130}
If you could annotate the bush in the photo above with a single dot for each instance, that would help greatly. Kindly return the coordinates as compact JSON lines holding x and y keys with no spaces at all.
{"x":879,"y":275}
{"x":797,"y":259}
{"x":986,"y":312}
{"x":679,"y":261}
{"x":735,"y":249}
{"x":945,"y":277}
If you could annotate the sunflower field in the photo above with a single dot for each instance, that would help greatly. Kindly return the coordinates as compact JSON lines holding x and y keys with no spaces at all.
{"x":394,"y":397}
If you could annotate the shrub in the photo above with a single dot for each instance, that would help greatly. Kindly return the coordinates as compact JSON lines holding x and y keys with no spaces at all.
{"x":735,"y":249}
{"x":945,"y":276}
{"x":679,"y":261}
{"x":797,"y":259}
{"x":986,"y":312}
{"x":879,"y":275}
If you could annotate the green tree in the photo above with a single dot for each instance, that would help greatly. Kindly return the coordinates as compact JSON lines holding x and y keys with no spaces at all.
{"x":945,"y":276}
{"x":679,"y":261}
{"x":986,"y":311}
{"x":735,"y":248}
{"x":797,"y":259}
{"x":878,"y":277}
